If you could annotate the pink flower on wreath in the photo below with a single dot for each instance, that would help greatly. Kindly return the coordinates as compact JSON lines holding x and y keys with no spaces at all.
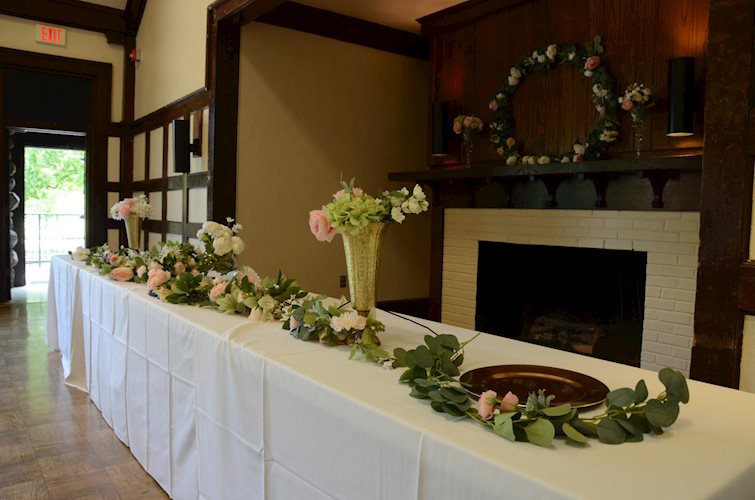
{"x":592,"y":62}
{"x":602,"y":112}
{"x":486,"y":405}
{"x":112,"y":258}
{"x":140,"y":272}
{"x":468,"y":121}
{"x":320,"y":226}
{"x":577,"y":158}
{"x":339,"y":194}
{"x":125,"y":210}
{"x":457,"y":127}
{"x":122,"y":273}
{"x":179,"y":268}
{"x":157,"y":278}
{"x":627,"y":104}
{"x":357,"y":192}
{"x":509,"y":402}
{"x":293,"y":324}
{"x":218,"y":290}
{"x":493,"y":105}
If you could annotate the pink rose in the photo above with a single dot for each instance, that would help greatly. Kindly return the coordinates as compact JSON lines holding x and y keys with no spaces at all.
{"x":194,"y":272}
{"x":577,"y":158}
{"x":125,"y":210}
{"x":293,"y":324}
{"x":627,"y":104}
{"x":140,"y":272}
{"x":156,"y":266}
{"x":122,"y":273}
{"x":602,"y":111}
{"x":217,"y":291}
{"x":357,"y":192}
{"x":157,"y":277}
{"x":592,"y":62}
{"x":179,"y":268}
{"x":509,"y":402}
{"x":493,"y":105}
{"x":486,"y":405}
{"x":255,"y":314}
{"x":339,"y":194}
{"x":457,"y":127}
{"x":468,"y":121}
{"x":112,"y":258}
{"x":320,"y":226}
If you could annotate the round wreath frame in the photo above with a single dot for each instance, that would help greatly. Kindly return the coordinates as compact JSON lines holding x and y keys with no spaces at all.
{"x":590,"y":58}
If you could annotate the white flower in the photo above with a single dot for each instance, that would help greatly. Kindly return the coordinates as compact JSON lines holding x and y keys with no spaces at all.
{"x":404,"y":191}
{"x":255,"y":314}
{"x":237,"y":228}
{"x":571,"y":56}
{"x":513,"y":81}
{"x":80,"y":254}
{"x":222,"y":245}
{"x":588,"y":73}
{"x":534,"y":54}
{"x":237,"y":245}
{"x":397,"y":214}
{"x":551,"y":51}
{"x":541,"y":58}
{"x":511,"y":160}
{"x":579,"y":148}
{"x":388,"y":364}
{"x":565,"y":159}
{"x":515,"y":73}
{"x":418,"y":193}
{"x":500,"y":95}
{"x":599,"y":91}
{"x":348,"y":321}
{"x":544,"y":160}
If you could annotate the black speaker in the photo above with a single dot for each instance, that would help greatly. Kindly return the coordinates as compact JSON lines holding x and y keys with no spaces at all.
{"x":181,"y":146}
{"x":681,"y":91}
{"x":441,"y":128}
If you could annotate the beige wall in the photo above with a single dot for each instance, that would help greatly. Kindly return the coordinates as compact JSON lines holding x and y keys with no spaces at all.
{"x":310,"y":110}
{"x":19,"y":34}
{"x":747,"y":368}
{"x":172,"y":39}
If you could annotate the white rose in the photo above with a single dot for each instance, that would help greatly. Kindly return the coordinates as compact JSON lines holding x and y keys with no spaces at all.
{"x":397,"y":214}
{"x":534,"y":54}
{"x":544,"y":160}
{"x":572,"y":55}
{"x":515,"y":73}
{"x":348,"y":321}
{"x":404,"y":191}
{"x":588,"y":73}
{"x":551,"y":51}
{"x":80,"y":254}
{"x":499,"y":95}
{"x":541,"y":58}
{"x":237,"y":245}
{"x":222,"y":245}
{"x":418,"y":193}
{"x":599,"y":91}
{"x":565,"y":159}
{"x":511,"y":160}
{"x":513,"y":81}
{"x":579,"y":148}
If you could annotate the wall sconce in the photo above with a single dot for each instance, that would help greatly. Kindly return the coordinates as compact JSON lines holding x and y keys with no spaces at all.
{"x":681,"y":91}
{"x":182,"y":146}
{"x":440,"y":128}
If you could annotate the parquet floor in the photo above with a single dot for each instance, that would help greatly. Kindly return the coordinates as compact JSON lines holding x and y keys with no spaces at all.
{"x":53,"y":440}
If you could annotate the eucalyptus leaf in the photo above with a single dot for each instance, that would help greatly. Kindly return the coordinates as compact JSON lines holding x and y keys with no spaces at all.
{"x":400,"y":354}
{"x":453,"y":394}
{"x":640,"y":422}
{"x":557,"y":411}
{"x":676,"y":385}
{"x":505,"y":429}
{"x":641,"y":392}
{"x":423,"y":358}
{"x":573,"y":433}
{"x":540,"y":432}
{"x":628,"y":426}
{"x":610,"y":432}
{"x":661,"y":414}
{"x":621,"y":397}
{"x":452,"y":410}
{"x":499,"y":418}
{"x":437,"y":406}
{"x":418,"y":392}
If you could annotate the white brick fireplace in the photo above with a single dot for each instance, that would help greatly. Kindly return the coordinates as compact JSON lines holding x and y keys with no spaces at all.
{"x":671,"y":240}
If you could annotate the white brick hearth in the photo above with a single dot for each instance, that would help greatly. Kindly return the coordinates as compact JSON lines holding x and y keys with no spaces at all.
{"x":671,"y":240}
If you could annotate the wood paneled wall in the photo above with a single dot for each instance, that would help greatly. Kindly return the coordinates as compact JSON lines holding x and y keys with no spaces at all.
{"x":552,"y":110}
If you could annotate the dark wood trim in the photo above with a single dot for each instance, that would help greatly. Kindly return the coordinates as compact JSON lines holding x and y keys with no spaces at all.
{"x":42,"y":126}
{"x":71,"y":13}
{"x":134,"y":12}
{"x":751,"y":129}
{"x":463,"y":13}
{"x":172,"y":183}
{"x":244,"y":10}
{"x":437,"y":229}
{"x":199,"y":99}
{"x":726,"y":194}
{"x":329,"y":24}
{"x":100,"y":75}
{"x":746,"y":288}
{"x":164,"y":190}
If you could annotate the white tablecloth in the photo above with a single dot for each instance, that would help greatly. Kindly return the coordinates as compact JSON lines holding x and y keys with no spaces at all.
{"x":219,"y":407}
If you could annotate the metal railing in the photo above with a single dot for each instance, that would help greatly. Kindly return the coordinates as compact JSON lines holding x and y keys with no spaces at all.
{"x":51,"y":234}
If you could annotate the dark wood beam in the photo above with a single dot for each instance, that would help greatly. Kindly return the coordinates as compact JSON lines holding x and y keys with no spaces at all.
{"x":325,"y":23}
{"x":726,"y":194}
{"x":134,"y":12}
{"x":72,"y":13}
{"x":463,"y":13}
{"x":245,"y":10}
{"x":746,"y":291}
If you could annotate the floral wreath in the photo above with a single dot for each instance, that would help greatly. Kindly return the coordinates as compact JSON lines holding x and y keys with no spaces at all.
{"x":588,"y":57}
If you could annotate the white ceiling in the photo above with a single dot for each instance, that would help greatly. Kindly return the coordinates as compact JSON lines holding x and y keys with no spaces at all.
{"x":116,"y":4}
{"x":401,"y":14}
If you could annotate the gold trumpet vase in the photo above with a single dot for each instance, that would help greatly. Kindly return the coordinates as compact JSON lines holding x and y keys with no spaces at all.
{"x":134,"y":231}
{"x":362,"y":251}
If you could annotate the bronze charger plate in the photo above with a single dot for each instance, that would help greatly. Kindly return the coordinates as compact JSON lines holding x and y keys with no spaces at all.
{"x":578,"y":389}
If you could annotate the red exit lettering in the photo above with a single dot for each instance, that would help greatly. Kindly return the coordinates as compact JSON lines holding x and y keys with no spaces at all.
{"x":51,"y":34}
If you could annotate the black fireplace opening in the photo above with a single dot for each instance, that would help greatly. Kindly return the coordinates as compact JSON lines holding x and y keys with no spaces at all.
{"x":584,"y":300}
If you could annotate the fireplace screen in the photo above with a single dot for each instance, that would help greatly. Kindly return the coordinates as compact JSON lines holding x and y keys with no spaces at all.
{"x":584,"y":300}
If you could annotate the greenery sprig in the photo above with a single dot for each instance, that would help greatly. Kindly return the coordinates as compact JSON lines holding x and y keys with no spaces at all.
{"x":432,"y":372}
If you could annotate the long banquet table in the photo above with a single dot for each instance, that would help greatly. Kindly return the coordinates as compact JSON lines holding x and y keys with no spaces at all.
{"x":220,"y":407}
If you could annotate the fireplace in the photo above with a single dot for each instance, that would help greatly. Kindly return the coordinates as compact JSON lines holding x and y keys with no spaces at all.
{"x":668,"y":240}
{"x":585,"y":300}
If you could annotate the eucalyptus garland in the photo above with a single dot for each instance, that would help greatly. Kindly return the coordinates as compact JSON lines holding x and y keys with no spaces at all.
{"x":590,"y":58}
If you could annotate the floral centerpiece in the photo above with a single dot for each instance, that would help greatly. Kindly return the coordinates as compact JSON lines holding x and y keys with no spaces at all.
{"x":361,"y":220}
{"x":466,"y":125}
{"x":132,"y":211}
{"x":637,"y":99}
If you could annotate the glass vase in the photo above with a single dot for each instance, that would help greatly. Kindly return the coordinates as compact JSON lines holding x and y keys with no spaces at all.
{"x":134,"y":231}
{"x":362,"y":251}
{"x":468,"y":153}
{"x":638,"y":129}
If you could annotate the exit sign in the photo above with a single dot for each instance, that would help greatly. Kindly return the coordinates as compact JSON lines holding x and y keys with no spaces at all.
{"x":51,"y":34}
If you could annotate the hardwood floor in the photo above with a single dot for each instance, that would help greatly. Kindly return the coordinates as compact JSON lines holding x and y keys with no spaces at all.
{"x":53,"y":440}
